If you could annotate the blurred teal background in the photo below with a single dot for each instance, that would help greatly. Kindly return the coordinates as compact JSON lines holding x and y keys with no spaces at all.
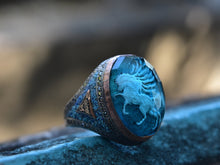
{"x":48,"y":48}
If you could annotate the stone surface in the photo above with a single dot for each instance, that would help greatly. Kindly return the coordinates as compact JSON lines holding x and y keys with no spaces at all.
{"x":189,"y":134}
{"x":137,"y":95}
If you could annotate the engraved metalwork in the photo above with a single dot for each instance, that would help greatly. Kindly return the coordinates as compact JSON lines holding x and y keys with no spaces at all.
{"x":86,"y":106}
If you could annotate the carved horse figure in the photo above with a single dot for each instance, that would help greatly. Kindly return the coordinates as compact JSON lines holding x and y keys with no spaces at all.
{"x":135,"y":87}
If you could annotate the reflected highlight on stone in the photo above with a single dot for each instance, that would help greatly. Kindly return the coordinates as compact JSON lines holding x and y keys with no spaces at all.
{"x":122,"y":100}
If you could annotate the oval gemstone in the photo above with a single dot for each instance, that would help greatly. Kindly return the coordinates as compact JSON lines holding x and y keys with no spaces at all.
{"x":137,"y":95}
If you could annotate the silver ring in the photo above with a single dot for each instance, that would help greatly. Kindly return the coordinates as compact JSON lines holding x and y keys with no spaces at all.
{"x":122,"y":100}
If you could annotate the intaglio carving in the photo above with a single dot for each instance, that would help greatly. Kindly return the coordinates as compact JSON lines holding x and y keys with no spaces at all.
{"x":135,"y":88}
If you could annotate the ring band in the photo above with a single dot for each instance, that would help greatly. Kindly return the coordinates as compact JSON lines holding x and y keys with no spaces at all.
{"x":122,"y":100}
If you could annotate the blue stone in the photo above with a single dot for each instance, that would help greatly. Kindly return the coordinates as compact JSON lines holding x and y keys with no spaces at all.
{"x":137,"y":95}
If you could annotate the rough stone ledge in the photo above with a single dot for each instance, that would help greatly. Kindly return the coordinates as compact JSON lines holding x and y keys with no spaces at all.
{"x":189,"y":135}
